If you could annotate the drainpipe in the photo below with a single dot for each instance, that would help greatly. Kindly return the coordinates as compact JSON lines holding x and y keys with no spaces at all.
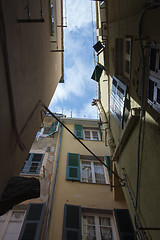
{"x":105,"y":124}
{"x":53,"y":188}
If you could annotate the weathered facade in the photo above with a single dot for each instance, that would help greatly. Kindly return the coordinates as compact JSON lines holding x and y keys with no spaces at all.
{"x":31,"y":66}
{"x":129,"y":103}
{"x":39,"y":164}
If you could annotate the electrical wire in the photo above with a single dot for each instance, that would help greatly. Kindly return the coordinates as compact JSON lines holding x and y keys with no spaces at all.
{"x":52,"y":114}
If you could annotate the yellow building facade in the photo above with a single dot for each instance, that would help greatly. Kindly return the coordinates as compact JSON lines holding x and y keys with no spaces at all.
{"x":82,"y":197}
{"x":76,"y":201}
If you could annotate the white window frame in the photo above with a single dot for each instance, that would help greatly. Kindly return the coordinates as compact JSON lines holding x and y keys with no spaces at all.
{"x":93,"y":172}
{"x":97,"y":224}
{"x":91,"y":134}
{"x":8,"y":220}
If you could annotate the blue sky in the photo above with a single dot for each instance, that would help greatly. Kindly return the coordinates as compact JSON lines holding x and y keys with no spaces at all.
{"x":78,"y":90}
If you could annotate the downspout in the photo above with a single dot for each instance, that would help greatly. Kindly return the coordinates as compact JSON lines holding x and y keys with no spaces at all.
{"x":53,"y":188}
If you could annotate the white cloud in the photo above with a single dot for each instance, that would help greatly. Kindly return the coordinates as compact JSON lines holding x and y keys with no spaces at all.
{"x":78,"y":63}
{"x":79,"y":13}
{"x":76,"y":79}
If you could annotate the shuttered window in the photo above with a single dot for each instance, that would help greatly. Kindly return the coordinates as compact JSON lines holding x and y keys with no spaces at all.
{"x":85,"y":170}
{"x":117,"y":100}
{"x":78,"y":131}
{"x":108,"y":163}
{"x":124,"y":224}
{"x":33,"y":222}
{"x":33,"y":163}
{"x":73,"y":167}
{"x":54,"y":127}
{"x":72,"y":222}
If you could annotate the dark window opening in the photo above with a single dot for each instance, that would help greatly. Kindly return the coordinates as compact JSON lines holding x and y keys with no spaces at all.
{"x":153,"y":59}
{"x":128,"y":47}
{"x":151,"y":90}
{"x":127,"y":67}
{"x":37,"y":157}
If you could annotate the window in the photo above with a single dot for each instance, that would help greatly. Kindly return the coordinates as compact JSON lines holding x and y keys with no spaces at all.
{"x":123,"y":57}
{"x":118,"y":100}
{"x":33,"y":163}
{"x":10,"y":224}
{"x":33,"y":221}
{"x":88,"y":133}
{"x":93,"y":172}
{"x":91,"y":134}
{"x":48,"y":130}
{"x":96,"y":227}
{"x":154,"y":78}
{"x":89,"y":171}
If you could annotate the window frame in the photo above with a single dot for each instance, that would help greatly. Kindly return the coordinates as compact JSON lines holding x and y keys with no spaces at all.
{"x":8,"y":220}
{"x":97,"y":223}
{"x":121,"y":56}
{"x":118,"y":100}
{"x":91,"y":134}
{"x":28,"y":163}
{"x":92,"y":172}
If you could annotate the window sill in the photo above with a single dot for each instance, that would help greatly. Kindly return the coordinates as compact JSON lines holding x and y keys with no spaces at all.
{"x":96,"y":183}
{"x":93,"y":140}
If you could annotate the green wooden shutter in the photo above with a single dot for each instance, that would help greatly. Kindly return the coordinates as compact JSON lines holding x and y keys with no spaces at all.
{"x":32,"y":224}
{"x":72,"y":222}
{"x":73,"y":167}
{"x":108,"y":163}
{"x":124,"y":224}
{"x":54,"y":127}
{"x":78,"y":131}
